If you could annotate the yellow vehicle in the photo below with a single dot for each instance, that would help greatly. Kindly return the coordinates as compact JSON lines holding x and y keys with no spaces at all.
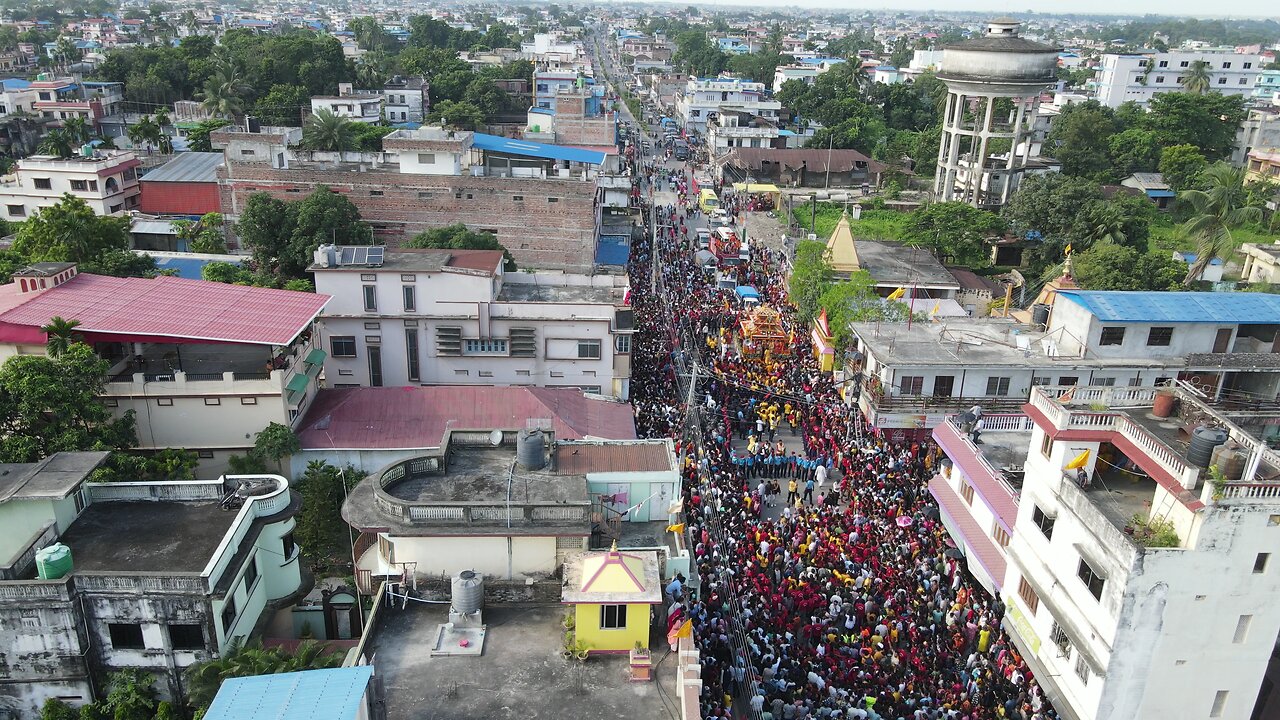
{"x":707,"y":200}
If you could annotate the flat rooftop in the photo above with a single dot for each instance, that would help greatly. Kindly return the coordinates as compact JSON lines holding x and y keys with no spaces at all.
{"x":146,"y":536}
{"x":892,"y":263}
{"x":1006,"y":451}
{"x":539,"y":293}
{"x":479,"y":475}
{"x":519,"y":674}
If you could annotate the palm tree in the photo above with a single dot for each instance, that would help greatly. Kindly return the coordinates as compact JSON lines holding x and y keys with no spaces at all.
{"x":327,"y":131}
{"x":223,"y":93}
{"x":1106,"y":225}
{"x":142,"y":133}
{"x":1197,"y":78}
{"x":1218,"y":209}
{"x":77,"y":129}
{"x":58,"y":143}
{"x":60,"y":335}
{"x":204,"y":679}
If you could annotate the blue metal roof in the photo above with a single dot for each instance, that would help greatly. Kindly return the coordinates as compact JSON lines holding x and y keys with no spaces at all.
{"x":1178,"y":307}
{"x":613,"y":250}
{"x":1190,"y":258}
{"x":15,"y":84}
{"x":333,"y":694}
{"x":493,"y":143}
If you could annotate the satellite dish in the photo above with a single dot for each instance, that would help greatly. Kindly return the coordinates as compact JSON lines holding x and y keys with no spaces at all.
{"x":495,"y":438}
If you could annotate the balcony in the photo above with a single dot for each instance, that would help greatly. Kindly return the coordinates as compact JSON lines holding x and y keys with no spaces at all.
{"x":873,"y":391}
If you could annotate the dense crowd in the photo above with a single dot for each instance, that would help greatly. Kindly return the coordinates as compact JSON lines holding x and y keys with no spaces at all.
{"x":842,"y":596}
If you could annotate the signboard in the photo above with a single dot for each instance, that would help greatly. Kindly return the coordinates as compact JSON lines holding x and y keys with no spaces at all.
{"x":1022,"y":625}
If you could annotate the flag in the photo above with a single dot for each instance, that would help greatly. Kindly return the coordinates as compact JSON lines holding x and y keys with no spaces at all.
{"x":936,"y":307}
{"x":684,"y":631}
{"x":897,"y":294}
{"x":677,"y":528}
{"x":1067,"y":250}
{"x":1081,"y":460}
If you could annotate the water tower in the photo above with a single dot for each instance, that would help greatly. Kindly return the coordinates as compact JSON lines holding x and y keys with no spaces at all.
{"x":993,"y":91}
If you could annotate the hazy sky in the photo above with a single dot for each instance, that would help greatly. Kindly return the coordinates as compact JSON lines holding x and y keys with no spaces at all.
{"x":1232,"y":8}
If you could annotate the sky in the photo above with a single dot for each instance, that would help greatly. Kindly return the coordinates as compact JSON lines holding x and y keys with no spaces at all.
{"x":1189,"y":8}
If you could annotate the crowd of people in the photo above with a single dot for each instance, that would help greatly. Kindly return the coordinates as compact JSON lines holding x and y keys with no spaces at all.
{"x":843,"y":600}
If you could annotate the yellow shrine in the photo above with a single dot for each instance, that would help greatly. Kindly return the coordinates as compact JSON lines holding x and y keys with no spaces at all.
{"x":763,"y":336}
{"x":612,"y":593}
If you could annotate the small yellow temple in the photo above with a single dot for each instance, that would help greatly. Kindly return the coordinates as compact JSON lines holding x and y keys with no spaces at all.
{"x":763,"y":336}
{"x":612,"y":593}
{"x":842,"y":251}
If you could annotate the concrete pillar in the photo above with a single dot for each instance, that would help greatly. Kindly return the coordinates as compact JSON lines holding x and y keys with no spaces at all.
{"x":940,"y":174}
{"x":1018,"y":136}
{"x":953,"y":153}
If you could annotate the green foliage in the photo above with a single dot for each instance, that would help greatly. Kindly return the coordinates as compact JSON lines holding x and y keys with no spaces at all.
{"x":810,"y":276}
{"x":167,"y":464}
{"x":1182,"y":166}
{"x":55,"y":709}
{"x":282,"y":105}
{"x":1217,"y":210}
{"x":131,"y":695}
{"x":873,"y":225}
{"x":1080,"y":140}
{"x":283,"y":235}
{"x":204,"y":235}
{"x":953,"y":231}
{"x":1107,"y":266}
{"x":460,"y":237}
{"x":1153,"y":532}
{"x":50,"y":404}
{"x":1063,"y":210}
{"x":460,"y":115}
{"x":1133,"y":150}
{"x":1208,"y":121}
{"x":325,"y":130}
{"x":251,"y":463}
{"x":69,"y":231}
{"x":855,"y":300}
{"x":204,"y":679}
{"x":321,"y":531}
{"x":758,"y":67}
{"x":276,"y":442}
{"x":697,"y":55}
{"x":60,"y":334}
{"x":198,"y":137}
{"x":369,"y":137}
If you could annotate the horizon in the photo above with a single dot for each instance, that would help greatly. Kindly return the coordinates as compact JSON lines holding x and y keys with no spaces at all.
{"x":1260,"y":10}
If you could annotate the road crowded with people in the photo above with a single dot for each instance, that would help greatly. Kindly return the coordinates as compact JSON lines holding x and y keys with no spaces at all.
{"x":826,"y":585}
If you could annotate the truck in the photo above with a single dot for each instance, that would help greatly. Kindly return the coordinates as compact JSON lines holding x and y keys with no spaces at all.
{"x":726,"y":246}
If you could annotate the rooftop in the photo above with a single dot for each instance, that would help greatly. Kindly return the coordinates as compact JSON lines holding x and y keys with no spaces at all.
{"x":612,"y":576}
{"x":1182,"y":307}
{"x":540,"y":293}
{"x":147,"y":536}
{"x":53,"y":477}
{"x":594,"y":457}
{"x":520,"y":668}
{"x":120,"y":309}
{"x":480,"y":474}
{"x":425,"y":260}
{"x":527,"y":148}
{"x":902,"y":266}
{"x":188,"y":167}
{"x":330,"y":694}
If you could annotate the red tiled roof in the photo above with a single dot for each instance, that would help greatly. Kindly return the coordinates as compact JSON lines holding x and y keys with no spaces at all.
{"x":995,"y":494}
{"x":165,"y":307}
{"x":390,"y":418}
{"x":486,"y":260}
{"x":983,"y":547}
{"x":583,"y":459}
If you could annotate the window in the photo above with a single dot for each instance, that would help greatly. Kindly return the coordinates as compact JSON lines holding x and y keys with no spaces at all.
{"x":411,"y":346}
{"x":342,"y":346}
{"x":1184,"y":63}
{"x":410,"y":298}
{"x":613,"y":617}
{"x":42,"y":183}
{"x":1112,"y":336}
{"x":588,"y":349}
{"x":1091,"y":578}
{"x":17,"y":210}
{"x":212,"y":401}
{"x":998,"y":386}
{"x":1028,"y":595}
{"x":1242,"y":629}
{"x":1043,"y":521}
{"x":111,"y":402}
{"x":461,"y":372}
{"x":79,"y":185}
{"x":1219,"y":704}
{"x":999,"y":535}
{"x":1068,"y":380}
{"x":1058,"y":637}
{"x":247,"y":152}
{"x":251,"y":573}
{"x":346,"y":373}
{"x":1046,"y":444}
{"x":1163,"y":63}
{"x":517,"y":198}
{"x":229,"y":613}
{"x":288,"y":545}
{"x":373,"y":326}
{"x":375,"y":193}
{"x":126,"y":636}
{"x":1181,"y":78}
{"x":370,"y":298}
{"x":1248,"y":66}
{"x":912,"y":384}
{"x":116,"y":208}
{"x":485,"y":347}
{"x":1226,"y":66}
{"x":1160,"y":336}
{"x":1104,"y":382}
{"x":186,"y":637}
{"x":622,"y":344}
{"x":485,"y":373}
{"x":204,"y":454}
{"x":1082,"y":669}
{"x":1244,"y":81}
{"x":1222,"y":81}
{"x":164,"y":402}
{"x":1260,"y":563}
{"x":966,"y":492}
{"x":553,"y":200}
{"x":1159,"y":79}
{"x":248,"y":401}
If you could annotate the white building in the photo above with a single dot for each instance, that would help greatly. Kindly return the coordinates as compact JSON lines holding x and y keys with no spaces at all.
{"x":1122,"y":78}
{"x":457,"y":317}
{"x":405,"y":99}
{"x":106,"y":180}
{"x":161,"y":576}
{"x":803,"y":73}
{"x":1146,"y":590}
{"x":363,"y":107}
{"x":705,"y":98}
{"x":730,"y":130}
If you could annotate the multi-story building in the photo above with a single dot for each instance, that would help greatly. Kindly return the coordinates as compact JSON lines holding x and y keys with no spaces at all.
{"x":202,"y":365}
{"x":1259,"y":130}
{"x":1261,"y":263}
{"x":1137,"y":582}
{"x":577,"y":118}
{"x":1138,"y":78}
{"x":549,"y":84}
{"x":1263,"y":164}
{"x":405,"y":99}
{"x":16,"y":96}
{"x":363,"y":107}
{"x":704,"y":99}
{"x":107,"y":180}
{"x":457,"y":317}
{"x":63,"y":98}
{"x":540,"y":201}
{"x":731,"y":129}
{"x":1267,"y":87}
{"x":160,"y":576}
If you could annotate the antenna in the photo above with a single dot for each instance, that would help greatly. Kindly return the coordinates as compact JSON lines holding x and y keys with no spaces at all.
{"x":495,"y":438}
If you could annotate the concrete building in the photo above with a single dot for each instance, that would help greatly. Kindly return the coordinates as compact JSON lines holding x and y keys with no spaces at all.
{"x":577,"y":117}
{"x":1138,"y":78}
{"x":162,"y":576}
{"x":1261,"y":263}
{"x":1267,"y":87}
{"x":803,"y":167}
{"x":1135,"y":585}
{"x":1260,"y":130}
{"x":16,"y":96}
{"x":731,"y":129}
{"x":1263,"y":164}
{"x":457,"y":317}
{"x":703,"y":99}
{"x":106,"y":180}
{"x":203,"y":365}
{"x":63,"y":98}
{"x":365,"y":107}
{"x":541,"y":201}
{"x":548,"y":84}
{"x":186,"y":185}
{"x":999,"y":66}
{"x":405,"y":99}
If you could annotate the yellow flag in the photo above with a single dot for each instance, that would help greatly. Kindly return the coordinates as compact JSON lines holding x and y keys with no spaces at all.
{"x":897,"y":294}
{"x":677,"y":528}
{"x":1081,"y":460}
{"x":1067,"y":250}
{"x":936,"y":307}
{"x":684,"y":631}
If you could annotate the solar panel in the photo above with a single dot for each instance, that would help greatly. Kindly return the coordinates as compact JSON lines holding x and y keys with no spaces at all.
{"x":346,"y":255}
{"x":361,"y":255}
{"x":376,"y":255}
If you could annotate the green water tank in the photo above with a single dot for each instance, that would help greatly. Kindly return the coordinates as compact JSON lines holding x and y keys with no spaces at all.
{"x":53,"y":562}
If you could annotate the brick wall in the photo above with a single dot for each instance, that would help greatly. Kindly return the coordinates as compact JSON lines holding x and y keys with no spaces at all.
{"x":552,"y":226}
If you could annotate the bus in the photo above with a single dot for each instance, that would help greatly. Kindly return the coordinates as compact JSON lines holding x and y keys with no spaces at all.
{"x":707,"y":200}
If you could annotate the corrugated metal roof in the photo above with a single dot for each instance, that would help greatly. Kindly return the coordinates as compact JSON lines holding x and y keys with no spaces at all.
{"x":171,"y":307}
{"x":187,"y":167}
{"x":1178,"y":307}
{"x":417,"y":417}
{"x":333,"y":694}
{"x":493,"y":143}
{"x":630,"y":457}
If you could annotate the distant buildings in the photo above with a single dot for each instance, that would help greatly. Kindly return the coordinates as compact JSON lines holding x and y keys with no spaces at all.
{"x":362,"y":106}
{"x":107,"y":180}
{"x":1138,"y":78}
{"x":704,"y":99}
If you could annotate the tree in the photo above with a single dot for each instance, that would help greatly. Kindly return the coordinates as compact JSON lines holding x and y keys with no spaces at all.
{"x":954,"y":231}
{"x":55,"y":709}
{"x":58,"y":143}
{"x":69,"y":231}
{"x":321,"y":531}
{"x":132,"y":695}
{"x":1080,"y":140}
{"x":461,"y":115}
{"x":1049,"y":208}
{"x":198,"y":137}
{"x":119,"y":262}
{"x":810,"y":277}
{"x":50,"y":404}
{"x":323,"y":217}
{"x":460,"y":237}
{"x":202,"y":236}
{"x":265,"y":228}
{"x":326,"y":131}
{"x":855,"y":300}
{"x":1217,"y":210}
{"x":60,"y":334}
{"x":1134,"y":150}
{"x":204,"y":678}
{"x":1197,"y":78}
{"x":77,"y":129}
{"x":1207,"y":121}
{"x":276,"y":442}
{"x":282,"y":105}
{"x":1107,"y":266}
{"x":1181,"y":166}
{"x":224,"y":92}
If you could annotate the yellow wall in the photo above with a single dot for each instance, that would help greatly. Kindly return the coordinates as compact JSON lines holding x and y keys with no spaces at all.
{"x":587,"y":624}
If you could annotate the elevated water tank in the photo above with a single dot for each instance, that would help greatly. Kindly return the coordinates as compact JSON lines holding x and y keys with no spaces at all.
{"x":53,"y":562}
{"x":530,"y":450}
{"x":1203,"y":441}
{"x":468,"y":592}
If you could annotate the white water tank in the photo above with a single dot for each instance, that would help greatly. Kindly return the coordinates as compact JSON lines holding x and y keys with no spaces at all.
{"x":468,"y":592}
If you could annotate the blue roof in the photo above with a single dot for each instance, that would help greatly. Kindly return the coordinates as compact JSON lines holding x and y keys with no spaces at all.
{"x":542,"y":110}
{"x":1189,"y":258}
{"x":1178,"y":307}
{"x":493,"y":143}
{"x":747,"y":291}
{"x":1161,"y":193}
{"x":613,"y":250}
{"x":333,"y":694}
{"x":15,"y":84}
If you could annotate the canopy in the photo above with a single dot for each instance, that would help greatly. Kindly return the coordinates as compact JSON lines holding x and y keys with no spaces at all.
{"x":759,"y":189}
{"x":747,"y":291}
{"x":704,"y":257}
